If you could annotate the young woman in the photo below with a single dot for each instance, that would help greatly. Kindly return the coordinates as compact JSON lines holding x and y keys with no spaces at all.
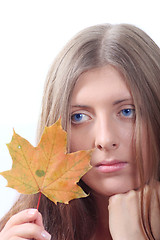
{"x":105,"y":85}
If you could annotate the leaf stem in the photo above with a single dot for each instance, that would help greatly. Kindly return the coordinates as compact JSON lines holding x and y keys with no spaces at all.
{"x":39,"y":200}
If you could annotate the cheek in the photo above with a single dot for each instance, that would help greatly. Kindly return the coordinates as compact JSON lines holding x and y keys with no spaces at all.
{"x":126,"y":143}
{"x":79,"y":139}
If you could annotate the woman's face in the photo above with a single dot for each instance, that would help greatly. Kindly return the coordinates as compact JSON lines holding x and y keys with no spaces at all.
{"x":102,"y":118}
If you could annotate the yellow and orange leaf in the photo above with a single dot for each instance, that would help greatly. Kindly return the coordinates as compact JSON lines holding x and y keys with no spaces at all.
{"x":47,"y":168}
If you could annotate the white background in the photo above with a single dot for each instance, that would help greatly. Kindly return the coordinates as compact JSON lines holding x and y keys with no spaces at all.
{"x":31,"y":34}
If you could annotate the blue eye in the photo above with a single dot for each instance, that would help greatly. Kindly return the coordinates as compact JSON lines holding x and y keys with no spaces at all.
{"x":128,"y":112}
{"x":79,"y":118}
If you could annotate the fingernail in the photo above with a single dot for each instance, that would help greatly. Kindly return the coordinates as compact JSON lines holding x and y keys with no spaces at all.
{"x":46,"y":235}
{"x":32,"y":211}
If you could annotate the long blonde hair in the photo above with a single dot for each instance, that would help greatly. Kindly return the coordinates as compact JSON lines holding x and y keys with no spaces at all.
{"x":137,"y":57}
{"x":127,"y":48}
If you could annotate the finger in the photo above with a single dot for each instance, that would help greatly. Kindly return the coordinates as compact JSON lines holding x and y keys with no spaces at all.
{"x":27,"y":231}
{"x":39,"y":220}
{"x":17,"y":238}
{"x":132,"y":195}
{"x":28,"y":215}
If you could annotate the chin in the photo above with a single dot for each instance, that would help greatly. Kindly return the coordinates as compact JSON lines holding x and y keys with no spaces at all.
{"x":110,"y":192}
{"x":112,"y":186}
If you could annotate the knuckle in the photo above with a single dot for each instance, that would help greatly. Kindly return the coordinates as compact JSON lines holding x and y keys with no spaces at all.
{"x":131,"y":193}
{"x":11,"y":221}
{"x":114,"y":198}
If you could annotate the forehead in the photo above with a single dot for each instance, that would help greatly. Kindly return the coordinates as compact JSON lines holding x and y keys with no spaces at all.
{"x":104,"y":82}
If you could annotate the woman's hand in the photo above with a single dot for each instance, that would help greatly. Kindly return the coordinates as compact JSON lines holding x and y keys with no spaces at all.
{"x":124,"y":215}
{"x":25,"y":225}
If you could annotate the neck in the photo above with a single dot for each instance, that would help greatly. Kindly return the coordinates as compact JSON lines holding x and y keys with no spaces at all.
{"x":102,"y":229}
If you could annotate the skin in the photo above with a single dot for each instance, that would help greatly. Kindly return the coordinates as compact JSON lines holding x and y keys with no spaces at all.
{"x":103,"y":117}
{"x":26,"y":224}
{"x":102,"y":107}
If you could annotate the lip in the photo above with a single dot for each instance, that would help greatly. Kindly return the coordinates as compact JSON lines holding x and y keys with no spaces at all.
{"x":111,"y":166}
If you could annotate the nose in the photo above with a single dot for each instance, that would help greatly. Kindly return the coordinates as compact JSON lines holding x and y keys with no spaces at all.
{"x":106,"y":135}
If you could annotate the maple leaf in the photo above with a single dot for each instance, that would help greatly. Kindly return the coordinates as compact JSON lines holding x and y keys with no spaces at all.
{"x":47,"y":168}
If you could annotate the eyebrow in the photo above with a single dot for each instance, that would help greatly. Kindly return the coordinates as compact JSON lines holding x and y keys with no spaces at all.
{"x":114,"y":103}
{"x":122,"y":100}
{"x":81,"y":106}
